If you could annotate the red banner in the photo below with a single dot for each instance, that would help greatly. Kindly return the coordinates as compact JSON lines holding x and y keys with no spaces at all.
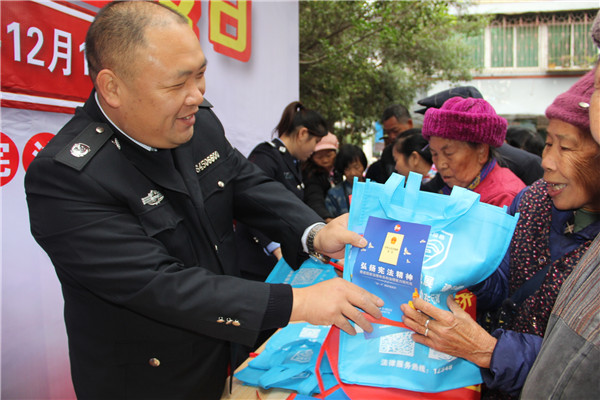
{"x":43,"y":47}
{"x":43,"y":53}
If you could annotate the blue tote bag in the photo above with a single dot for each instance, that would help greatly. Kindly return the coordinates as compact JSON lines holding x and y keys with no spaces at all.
{"x":310,"y":272}
{"x":289,"y":360}
{"x":466,"y":243}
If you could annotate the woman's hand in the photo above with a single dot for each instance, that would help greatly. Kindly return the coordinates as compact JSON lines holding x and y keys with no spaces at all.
{"x":452,"y":332}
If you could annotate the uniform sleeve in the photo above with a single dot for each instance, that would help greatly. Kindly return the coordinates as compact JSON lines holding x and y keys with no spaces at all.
{"x":262,"y":157}
{"x":512,"y":359}
{"x":269,"y":206}
{"x":99,"y":246}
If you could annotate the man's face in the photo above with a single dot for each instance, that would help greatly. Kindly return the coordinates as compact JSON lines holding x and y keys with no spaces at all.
{"x":157,"y":106}
{"x":392,"y":128}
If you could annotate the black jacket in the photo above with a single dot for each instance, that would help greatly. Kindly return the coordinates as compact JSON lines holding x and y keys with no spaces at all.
{"x":317,"y":183}
{"x":277,"y":163}
{"x":381,"y":169}
{"x":144,"y":248}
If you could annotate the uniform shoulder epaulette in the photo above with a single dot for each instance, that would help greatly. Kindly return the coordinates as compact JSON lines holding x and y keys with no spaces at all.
{"x":281,"y":148}
{"x":205,"y":103}
{"x":85,"y":145}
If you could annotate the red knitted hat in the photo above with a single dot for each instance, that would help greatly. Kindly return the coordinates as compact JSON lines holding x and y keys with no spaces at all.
{"x":573,"y":106}
{"x":467,"y":120}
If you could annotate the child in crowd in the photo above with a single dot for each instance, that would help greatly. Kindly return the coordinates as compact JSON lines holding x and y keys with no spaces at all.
{"x":350,"y":162}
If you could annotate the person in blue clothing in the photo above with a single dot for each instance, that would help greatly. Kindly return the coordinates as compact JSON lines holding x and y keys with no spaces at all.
{"x":350,"y":163}
{"x":559,"y":219}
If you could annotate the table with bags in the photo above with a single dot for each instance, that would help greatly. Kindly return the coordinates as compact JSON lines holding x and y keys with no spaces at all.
{"x":434,"y":244}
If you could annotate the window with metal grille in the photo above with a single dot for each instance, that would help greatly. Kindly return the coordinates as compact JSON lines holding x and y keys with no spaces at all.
{"x":547,"y":41}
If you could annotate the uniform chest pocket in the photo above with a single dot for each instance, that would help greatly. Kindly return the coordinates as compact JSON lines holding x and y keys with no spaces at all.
{"x":159,"y":219}
{"x":167,"y":226}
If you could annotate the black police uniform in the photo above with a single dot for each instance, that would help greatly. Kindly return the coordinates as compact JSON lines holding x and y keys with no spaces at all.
{"x":144,"y":248}
{"x":275,"y":160}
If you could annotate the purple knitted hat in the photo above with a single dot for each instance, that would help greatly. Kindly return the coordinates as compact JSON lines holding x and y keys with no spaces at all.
{"x":467,"y":120}
{"x":573,"y":105}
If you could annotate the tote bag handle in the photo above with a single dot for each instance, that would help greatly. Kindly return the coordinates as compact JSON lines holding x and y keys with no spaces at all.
{"x":400,"y":202}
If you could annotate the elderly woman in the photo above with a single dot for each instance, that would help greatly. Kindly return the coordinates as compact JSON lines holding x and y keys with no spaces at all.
{"x":463,"y":135}
{"x":318,"y":175}
{"x":571,"y":371}
{"x":559,"y":218}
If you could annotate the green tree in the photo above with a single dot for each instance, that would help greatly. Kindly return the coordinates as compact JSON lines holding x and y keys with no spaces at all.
{"x":358,"y":57}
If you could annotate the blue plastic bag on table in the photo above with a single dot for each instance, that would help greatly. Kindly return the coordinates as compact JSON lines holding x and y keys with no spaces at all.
{"x":288,"y":360}
{"x":310,"y":272}
{"x":467,"y":242}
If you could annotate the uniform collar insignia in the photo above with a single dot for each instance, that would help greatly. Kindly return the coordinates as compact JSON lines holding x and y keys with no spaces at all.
{"x":154,"y":198}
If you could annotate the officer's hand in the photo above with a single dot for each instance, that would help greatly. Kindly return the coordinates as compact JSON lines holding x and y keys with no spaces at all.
{"x":335,"y":235}
{"x":334,"y":302}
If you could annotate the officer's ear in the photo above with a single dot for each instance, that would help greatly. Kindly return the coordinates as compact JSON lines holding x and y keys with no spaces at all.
{"x":303,"y":134}
{"x":108,"y":86}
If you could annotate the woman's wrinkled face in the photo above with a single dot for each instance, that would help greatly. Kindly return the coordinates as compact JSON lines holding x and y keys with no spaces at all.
{"x":457,"y":162}
{"x":324,"y":158}
{"x":571,"y":162}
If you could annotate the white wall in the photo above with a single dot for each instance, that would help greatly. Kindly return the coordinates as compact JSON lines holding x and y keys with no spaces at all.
{"x":247,"y":96}
{"x":521,"y":96}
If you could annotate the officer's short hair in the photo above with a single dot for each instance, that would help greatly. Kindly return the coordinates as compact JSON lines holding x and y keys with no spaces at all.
{"x":118,"y":31}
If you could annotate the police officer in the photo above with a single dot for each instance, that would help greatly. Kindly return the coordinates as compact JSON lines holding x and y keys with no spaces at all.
{"x":299,"y":130}
{"x":134,"y":201}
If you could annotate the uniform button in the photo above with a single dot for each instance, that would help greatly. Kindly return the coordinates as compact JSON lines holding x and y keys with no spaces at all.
{"x":236,"y":322}
{"x":220,"y":320}
{"x":542,"y":260}
{"x":221,"y":184}
{"x":216,"y":248}
{"x":298,"y":187}
{"x":99,"y":129}
{"x":154,"y":362}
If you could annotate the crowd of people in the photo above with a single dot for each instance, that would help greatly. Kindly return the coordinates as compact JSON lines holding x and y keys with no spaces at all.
{"x":164,"y":296}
